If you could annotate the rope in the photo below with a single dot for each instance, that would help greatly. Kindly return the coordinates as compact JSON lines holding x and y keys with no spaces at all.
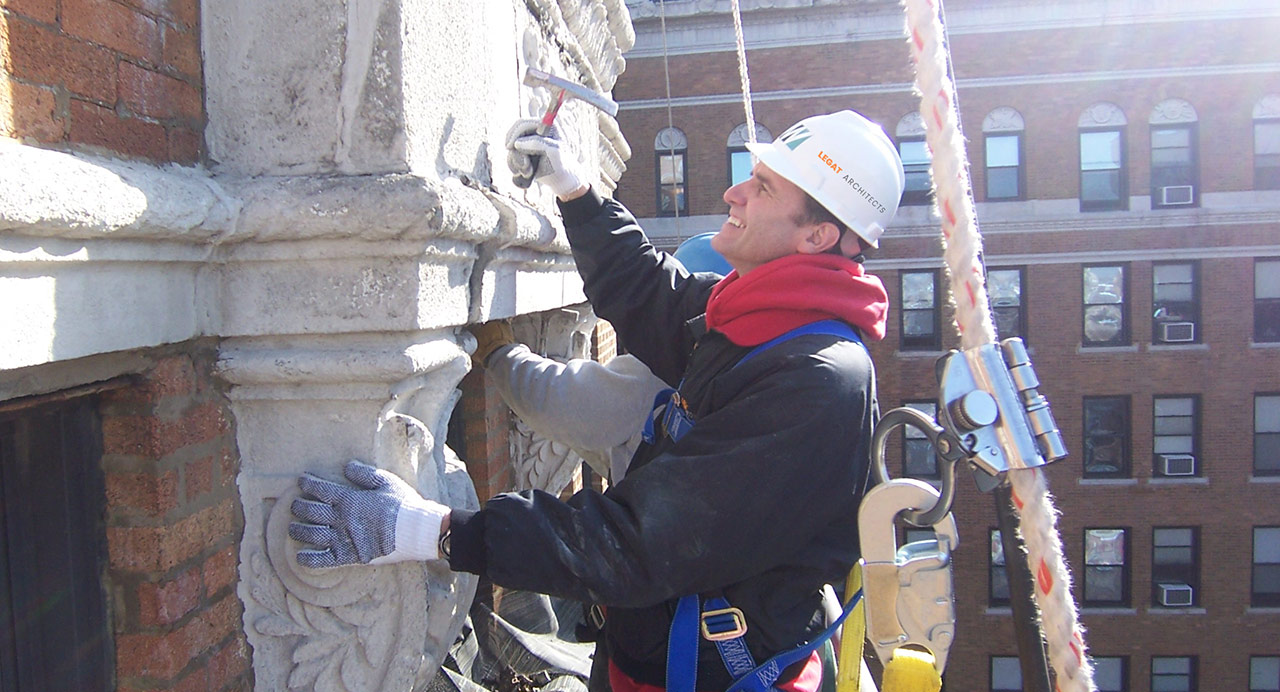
{"x":666,"y":74}
{"x":742,"y":73}
{"x":962,"y":256}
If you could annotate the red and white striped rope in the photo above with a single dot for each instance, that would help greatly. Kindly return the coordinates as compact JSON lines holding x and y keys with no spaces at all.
{"x":962,"y":255}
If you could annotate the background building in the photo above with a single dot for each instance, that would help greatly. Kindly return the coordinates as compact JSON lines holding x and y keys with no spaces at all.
{"x":1125,"y":158}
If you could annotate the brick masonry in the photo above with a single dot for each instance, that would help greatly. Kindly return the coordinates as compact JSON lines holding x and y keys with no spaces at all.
{"x":173,"y":526}
{"x":121,"y":77}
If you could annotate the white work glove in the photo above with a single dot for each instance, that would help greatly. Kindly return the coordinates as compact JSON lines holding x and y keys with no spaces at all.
{"x":382,"y":520}
{"x":543,"y":158}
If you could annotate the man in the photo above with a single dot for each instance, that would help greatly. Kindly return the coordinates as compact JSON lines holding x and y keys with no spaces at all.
{"x":753,"y":495}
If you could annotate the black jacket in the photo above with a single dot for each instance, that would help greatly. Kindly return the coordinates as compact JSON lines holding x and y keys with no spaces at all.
{"x":758,"y":502}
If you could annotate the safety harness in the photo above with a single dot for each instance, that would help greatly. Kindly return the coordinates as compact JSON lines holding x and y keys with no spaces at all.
{"x":714,"y":619}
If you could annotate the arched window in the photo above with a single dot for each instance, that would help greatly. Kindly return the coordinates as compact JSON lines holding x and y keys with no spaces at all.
{"x":739,"y":158}
{"x":1104,"y":174}
{"x":915,"y":159}
{"x":1002,"y":138}
{"x":1175,"y":159}
{"x":1266,"y":143}
{"x":671,"y":149}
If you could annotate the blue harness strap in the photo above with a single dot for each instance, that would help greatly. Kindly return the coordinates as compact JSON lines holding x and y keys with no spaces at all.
{"x":712,"y":618}
{"x":682,"y":649}
{"x":676,"y":420}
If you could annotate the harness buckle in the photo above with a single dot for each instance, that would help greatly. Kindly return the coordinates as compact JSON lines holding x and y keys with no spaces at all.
{"x":723,"y":624}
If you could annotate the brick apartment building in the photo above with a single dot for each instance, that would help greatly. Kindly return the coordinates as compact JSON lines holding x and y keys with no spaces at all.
{"x":1125,"y":158}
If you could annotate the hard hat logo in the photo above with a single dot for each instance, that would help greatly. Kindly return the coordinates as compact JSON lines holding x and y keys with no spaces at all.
{"x":846,"y":147}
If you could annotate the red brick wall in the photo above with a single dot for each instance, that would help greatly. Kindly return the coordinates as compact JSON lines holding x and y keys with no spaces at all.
{"x":122,"y":76}
{"x":174,"y":524}
{"x":486,"y":426}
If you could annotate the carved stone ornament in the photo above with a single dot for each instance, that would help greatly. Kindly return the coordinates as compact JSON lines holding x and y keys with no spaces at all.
{"x":911,"y":125}
{"x":1170,"y":111}
{"x":738,"y":137}
{"x":669,"y":139}
{"x":1102,"y":115}
{"x":1003,"y":119}
{"x":1268,"y":107}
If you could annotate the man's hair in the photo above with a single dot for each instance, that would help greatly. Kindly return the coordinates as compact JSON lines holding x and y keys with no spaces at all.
{"x":815,"y":213}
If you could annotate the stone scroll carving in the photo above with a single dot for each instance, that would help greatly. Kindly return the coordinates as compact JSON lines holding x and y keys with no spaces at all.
{"x":355,"y":628}
{"x":540,"y":462}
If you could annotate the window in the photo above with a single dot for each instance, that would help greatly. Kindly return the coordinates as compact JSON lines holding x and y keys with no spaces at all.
{"x":1266,"y":301}
{"x":1175,"y":166}
{"x":53,"y":550}
{"x":915,"y":160}
{"x":740,"y":160}
{"x":1106,"y":571}
{"x":1266,"y":435}
{"x":1004,"y":167}
{"x":671,"y":149}
{"x":1006,"y":674}
{"x":1266,"y":566}
{"x":1175,"y":567}
{"x":1105,"y":306}
{"x":1266,"y":144}
{"x":1173,"y":674}
{"x":998,"y":584}
{"x":1106,"y":437}
{"x":1004,"y":290}
{"x":1175,"y":433}
{"x":1002,"y":132}
{"x":1264,"y":674}
{"x":1111,"y":673}
{"x":1103,"y":174}
{"x":1175,"y":298}
{"x":921,"y":329}
{"x":918,"y":460}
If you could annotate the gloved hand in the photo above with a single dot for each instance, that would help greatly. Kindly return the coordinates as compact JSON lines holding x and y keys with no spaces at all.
{"x":540,"y":157}
{"x":490,"y":337}
{"x":382,"y":520}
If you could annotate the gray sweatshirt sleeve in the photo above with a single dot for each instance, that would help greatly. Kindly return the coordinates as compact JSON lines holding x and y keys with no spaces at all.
{"x":596,"y":409}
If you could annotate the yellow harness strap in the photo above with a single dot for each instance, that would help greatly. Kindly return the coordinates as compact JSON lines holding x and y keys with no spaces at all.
{"x":852,"y":635}
{"x":911,"y":671}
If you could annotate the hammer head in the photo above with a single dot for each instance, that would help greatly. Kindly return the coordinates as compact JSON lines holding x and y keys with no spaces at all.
{"x":534,"y":77}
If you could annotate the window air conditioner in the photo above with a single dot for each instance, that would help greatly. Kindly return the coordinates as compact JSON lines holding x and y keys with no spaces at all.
{"x":1177,"y":332}
{"x":1176,"y":595}
{"x":1177,"y":465}
{"x":1175,"y":195}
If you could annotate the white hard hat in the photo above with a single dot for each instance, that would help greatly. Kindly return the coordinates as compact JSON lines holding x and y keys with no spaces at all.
{"x":845,"y":162}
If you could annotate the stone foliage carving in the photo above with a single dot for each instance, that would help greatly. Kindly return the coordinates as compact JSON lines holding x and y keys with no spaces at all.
{"x":1102,"y":115}
{"x":1003,"y":119}
{"x":1267,"y":107}
{"x":738,"y":137}
{"x":1171,"y":111}
{"x":911,"y":125}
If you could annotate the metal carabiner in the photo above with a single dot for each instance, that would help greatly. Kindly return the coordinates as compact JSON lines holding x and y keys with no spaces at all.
{"x":908,"y":590}
{"x":948,"y":450}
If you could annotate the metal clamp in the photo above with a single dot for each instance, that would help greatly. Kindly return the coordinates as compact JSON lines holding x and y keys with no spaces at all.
{"x":908,"y":589}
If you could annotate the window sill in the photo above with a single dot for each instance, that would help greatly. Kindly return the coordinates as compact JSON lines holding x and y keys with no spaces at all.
{"x":998,"y":611}
{"x":1107,"y":481}
{"x":1262,"y":610}
{"x":1109,"y":610}
{"x":1172,"y":480}
{"x":1085,"y":348}
{"x":1264,"y":479}
{"x":920,"y":354}
{"x":1264,"y":344}
{"x":1177,"y":611}
{"x":1177,"y":347}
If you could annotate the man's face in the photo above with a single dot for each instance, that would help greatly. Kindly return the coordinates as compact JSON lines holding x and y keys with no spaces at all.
{"x":762,"y":220}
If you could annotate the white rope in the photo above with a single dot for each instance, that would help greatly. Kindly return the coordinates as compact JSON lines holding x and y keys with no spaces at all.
{"x":962,"y":256}
{"x":666,"y":74}
{"x":742,"y":73}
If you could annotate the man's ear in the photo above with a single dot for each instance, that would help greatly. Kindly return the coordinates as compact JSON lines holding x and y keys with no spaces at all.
{"x":820,"y":238}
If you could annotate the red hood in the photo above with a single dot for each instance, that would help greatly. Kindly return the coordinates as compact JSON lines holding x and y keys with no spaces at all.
{"x":793,"y":291}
